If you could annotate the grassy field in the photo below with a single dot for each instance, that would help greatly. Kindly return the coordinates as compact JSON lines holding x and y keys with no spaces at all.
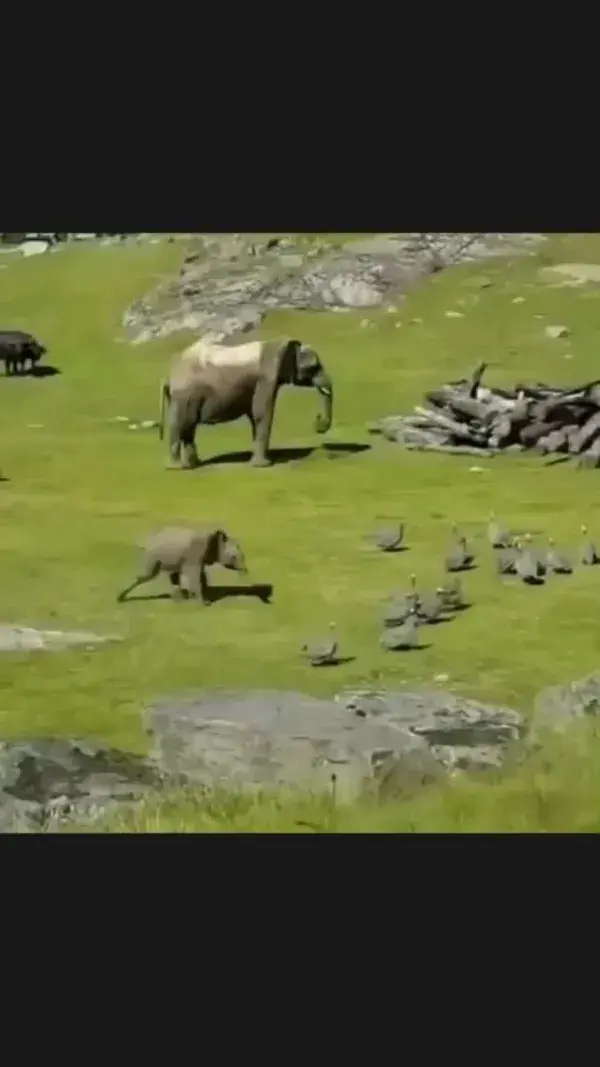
{"x":83,"y":490}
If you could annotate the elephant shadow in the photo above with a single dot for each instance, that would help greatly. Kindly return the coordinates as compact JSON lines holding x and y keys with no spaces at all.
{"x":289,"y":455}
{"x":261,"y":591}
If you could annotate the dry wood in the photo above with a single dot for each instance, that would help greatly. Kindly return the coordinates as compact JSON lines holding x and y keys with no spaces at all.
{"x":466,"y":417}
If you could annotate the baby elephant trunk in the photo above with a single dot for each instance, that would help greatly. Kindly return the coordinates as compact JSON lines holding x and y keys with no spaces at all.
{"x":324,"y":386}
{"x":232,"y":557}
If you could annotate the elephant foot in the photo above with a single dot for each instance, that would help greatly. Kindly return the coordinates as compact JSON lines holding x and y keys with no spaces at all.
{"x":261,"y":461}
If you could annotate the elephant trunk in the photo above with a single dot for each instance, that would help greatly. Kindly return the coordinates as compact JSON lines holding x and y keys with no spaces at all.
{"x":165,"y":398}
{"x":324,"y":386}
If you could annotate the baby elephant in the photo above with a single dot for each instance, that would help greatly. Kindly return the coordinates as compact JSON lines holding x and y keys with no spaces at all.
{"x":183,"y":553}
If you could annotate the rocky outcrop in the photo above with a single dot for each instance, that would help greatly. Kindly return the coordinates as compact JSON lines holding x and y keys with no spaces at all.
{"x":228,"y":284}
{"x":390,"y":742}
{"x":44,"y":782}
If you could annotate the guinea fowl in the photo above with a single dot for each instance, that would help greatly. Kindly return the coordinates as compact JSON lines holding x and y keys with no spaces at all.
{"x":542,"y":565}
{"x":527,"y":565}
{"x":323,"y":653}
{"x":498,"y":536}
{"x":431,"y":606}
{"x":452,"y":595}
{"x":556,"y":562}
{"x":459,"y":558}
{"x":402,"y":638}
{"x":400,"y":607}
{"x":390,"y":540}
{"x":505,"y":561}
{"x":589,"y":555}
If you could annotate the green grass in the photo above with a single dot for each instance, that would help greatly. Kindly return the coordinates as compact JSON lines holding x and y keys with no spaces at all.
{"x":84,"y":490}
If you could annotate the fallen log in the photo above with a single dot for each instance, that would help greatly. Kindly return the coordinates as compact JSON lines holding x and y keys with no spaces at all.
{"x":587,"y":433}
{"x":591,"y":457}
{"x":467,"y":417}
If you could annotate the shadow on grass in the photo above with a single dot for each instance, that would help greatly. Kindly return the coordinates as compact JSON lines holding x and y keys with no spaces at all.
{"x":415,"y":648}
{"x":288,"y":455}
{"x":261,"y":591}
{"x":45,"y":371}
{"x":337,"y":662}
{"x":557,"y":460}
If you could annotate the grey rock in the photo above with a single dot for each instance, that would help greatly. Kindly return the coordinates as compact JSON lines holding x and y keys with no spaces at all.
{"x":15,"y":638}
{"x":34,"y":248}
{"x":270,"y":739}
{"x":558,"y":706}
{"x":43,"y":782}
{"x":555,"y":332}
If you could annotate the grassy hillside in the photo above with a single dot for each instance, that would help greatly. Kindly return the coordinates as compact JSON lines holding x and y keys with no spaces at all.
{"x":83,"y":490}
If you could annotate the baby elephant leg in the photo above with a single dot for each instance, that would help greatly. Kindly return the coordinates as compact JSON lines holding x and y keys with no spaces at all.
{"x":148,"y":574}
{"x":195,"y":582}
{"x":177,"y":593}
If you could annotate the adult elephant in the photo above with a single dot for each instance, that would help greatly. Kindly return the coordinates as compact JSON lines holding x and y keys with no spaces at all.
{"x":213,"y":383}
{"x":16,"y":347}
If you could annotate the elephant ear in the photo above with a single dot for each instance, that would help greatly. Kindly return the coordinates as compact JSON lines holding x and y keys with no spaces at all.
{"x":214,"y":549}
{"x":287,"y":356}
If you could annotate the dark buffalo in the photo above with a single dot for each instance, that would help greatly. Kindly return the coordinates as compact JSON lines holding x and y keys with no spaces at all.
{"x":16,"y":347}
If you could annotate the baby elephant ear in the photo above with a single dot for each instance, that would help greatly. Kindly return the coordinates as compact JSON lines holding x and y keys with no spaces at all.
{"x":288,"y":362}
{"x":215,"y":547}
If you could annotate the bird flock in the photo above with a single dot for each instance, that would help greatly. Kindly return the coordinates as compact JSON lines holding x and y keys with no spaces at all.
{"x":405,"y":613}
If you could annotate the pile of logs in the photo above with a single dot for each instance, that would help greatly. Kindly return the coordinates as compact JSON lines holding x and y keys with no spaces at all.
{"x":469,"y":418}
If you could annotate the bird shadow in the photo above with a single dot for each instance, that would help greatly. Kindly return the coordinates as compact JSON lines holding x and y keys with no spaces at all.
{"x":393,"y":551}
{"x":413,"y":648}
{"x":278,"y":456}
{"x":339,"y":661}
{"x":462,"y":570}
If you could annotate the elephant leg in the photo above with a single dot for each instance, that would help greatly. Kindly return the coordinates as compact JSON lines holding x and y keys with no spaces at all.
{"x":187,"y":431}
{"x":177,"y":593}
{"x":147,"y":576}
{"x":174,"y":435}
{"x":263,"y":408}
{"x":252,"y":427}
{"x":195,"y":582}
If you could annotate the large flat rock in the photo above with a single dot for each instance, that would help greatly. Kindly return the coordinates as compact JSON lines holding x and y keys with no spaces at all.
{"x":272,"y":739}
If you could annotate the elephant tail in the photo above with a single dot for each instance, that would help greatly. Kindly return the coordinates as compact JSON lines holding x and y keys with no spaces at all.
{"x":165,"y":397}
